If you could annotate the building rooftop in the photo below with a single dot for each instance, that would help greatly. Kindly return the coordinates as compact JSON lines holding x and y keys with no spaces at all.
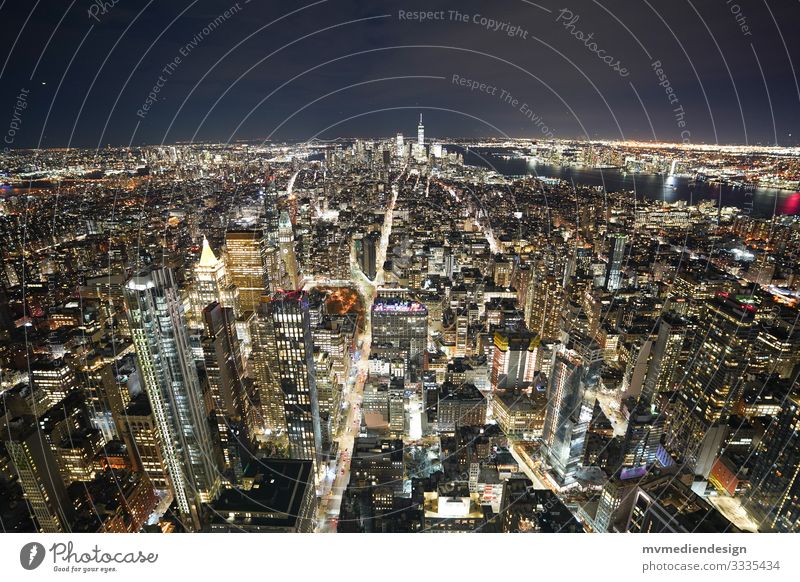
{"x":271,"y":498}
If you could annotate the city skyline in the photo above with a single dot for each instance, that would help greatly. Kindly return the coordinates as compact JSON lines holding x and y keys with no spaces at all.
{"x":399,"y":267}
{"x":177,"y":73}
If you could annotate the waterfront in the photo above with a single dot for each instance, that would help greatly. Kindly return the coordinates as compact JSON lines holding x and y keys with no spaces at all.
{"x":766,"y":201}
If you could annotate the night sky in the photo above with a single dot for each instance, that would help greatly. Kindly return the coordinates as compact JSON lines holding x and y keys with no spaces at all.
{"x":300,"y":69}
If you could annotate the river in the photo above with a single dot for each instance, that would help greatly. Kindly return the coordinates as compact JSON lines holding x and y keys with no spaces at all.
{"x":766,"y":201}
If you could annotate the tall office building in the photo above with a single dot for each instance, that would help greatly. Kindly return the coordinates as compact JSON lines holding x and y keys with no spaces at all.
{"x":290,"y":316}
{"x":246,"y":256}
{"x":642,"y":438}
{"x":288,"y":254}
{"x":142,"y":441}
{"x":576,"y":369}
{"x":277,"y":276}
{"x":397,"y":411}
{"x":328,"y":396}
{"x":403,"y":325}
{"x":400,"y":146}
{"x":462,"y":334}
{"x":266,"y":416}
{"x":503,"y":268}
{"x":664,"y":369}
{"x":774,"y":497}
{"x":211,"y":284}
{"x":271,"y":212}
{"x":714,"y":381}
{"x":53,"y":379}
{"x":6,"y":321}
{"x":420,"y":133}
{"x":721,"y":348}
{"x":224,"y":373}
{"x":665,"y":504}
{"x":544,"y":302}
{"x":367,"y":253}
{"x":646,"y":424}
{"x":169,"y":376}
{"x":777,"y":349}
{"x":39,"y":476}
{"x":616,"y":257}
{"x":515,"y":359}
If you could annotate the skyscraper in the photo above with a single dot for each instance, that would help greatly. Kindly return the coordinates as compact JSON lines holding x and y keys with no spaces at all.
{"x":616,"y":256}
{"x":664,"y":368}
{"x":722,"y":346}
{"x":268,"y":417}
{"x":642,"y":438}
{"x":420,"y":133}
{"x":713,"y":382}
{"x":290,"y":315}
{"x":774,"y":497}
{"x":38,"y":473}
{"x":169,"y":376}
{"x":402,"y":324}
{"x":367,"y":251}
{"x":646,"y":424}
{"x":246,"y":257}
{"x":54,"y":378}
{"x":544,"y":301}
{"x":210,"y":284}
{"x":515,"y":359}
{"x":141,"y":437}
{"x":222,"y":367}
{"x":288,"y":254}
{"x":271,"y":212}
{"x":576,"y":369}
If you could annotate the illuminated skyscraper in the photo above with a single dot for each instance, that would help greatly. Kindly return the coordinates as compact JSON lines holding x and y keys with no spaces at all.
{"x":777,"y":348}
{"x":286,"y":238}
{"x":246,"y":257}
{"x":664,"y":368}
{"x":290,"y":315}
{"x":271,"y":212}
{"x":269,"y":416}
{"x":420,"y":133}
{"x":544,"y":301}
{"x":403,"y":325}
{"x":142,"y":440}
{"x":36,"y":467}
{"x":646,"y":424}
{"x":774,"y":497}
{"x":6,"y":322}
{"x":714,"y":381}
{"x":576,"y":369}
{"x":211,"y":284}
{"x":642,"y":438}
{"x":367,"y":251}
{"x":515,"y":359}
{"x":54,"y":378}
{"x":166,"y":368}
{"x":616,"y":256}
{"x":401,"y":148}
{"x":328,"y":396}
{"x":721,"y":349}
{"x":224,"y":373}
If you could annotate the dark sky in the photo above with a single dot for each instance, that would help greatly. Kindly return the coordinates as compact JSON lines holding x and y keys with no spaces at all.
{"x":303,"y":68}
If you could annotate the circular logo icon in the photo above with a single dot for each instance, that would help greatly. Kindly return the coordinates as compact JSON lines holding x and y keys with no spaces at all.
{"x":31,"y":555}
